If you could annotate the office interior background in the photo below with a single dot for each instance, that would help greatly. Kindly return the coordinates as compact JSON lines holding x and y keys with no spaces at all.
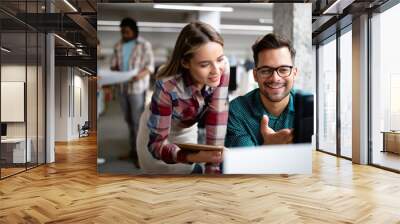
{"x":48,"y":83}
{"x":48,"y":88}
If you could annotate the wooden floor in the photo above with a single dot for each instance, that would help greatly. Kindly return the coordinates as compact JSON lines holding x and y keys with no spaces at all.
{"x":10,"y":171}
{"x":70,"y":191}
{"x":387,"y":159}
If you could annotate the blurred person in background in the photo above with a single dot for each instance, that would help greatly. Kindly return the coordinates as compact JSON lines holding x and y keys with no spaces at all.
{"x":133,"y":52}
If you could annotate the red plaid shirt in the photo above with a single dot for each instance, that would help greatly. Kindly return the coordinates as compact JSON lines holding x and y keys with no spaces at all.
{"x":177,"y":98}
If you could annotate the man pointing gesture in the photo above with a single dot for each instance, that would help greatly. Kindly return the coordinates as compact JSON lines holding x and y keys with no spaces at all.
{"x":270,"y":137}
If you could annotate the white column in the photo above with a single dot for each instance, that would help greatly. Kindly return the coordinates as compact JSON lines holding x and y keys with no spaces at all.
{"x":63,"y":102}
{"x":293,"y":21}
{"x":50,"y":99}
{"x":360,"y":90}
{"x":50,"y":92}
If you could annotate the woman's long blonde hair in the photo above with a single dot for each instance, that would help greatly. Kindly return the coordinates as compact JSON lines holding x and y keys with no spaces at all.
{"x":189,"y":40}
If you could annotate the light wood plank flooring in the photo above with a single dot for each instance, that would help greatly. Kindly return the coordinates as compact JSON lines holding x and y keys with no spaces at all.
{"x":71,"y":191}
{"x":387,"y":159}
{"x":10,"y":171}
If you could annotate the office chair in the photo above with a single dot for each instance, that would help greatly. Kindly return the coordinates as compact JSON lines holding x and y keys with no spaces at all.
{"x":84,"y":130}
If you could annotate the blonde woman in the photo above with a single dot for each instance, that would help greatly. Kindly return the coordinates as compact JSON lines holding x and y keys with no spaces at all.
{"x":192,"y":85}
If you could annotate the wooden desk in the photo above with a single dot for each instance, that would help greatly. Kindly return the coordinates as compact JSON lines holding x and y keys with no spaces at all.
{"x":391,"y":141}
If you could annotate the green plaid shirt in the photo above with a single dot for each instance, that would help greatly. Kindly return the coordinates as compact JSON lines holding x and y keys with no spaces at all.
{"x":245,"y":114}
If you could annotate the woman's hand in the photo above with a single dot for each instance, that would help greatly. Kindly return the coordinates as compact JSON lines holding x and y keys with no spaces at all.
{"x":205,"y":157}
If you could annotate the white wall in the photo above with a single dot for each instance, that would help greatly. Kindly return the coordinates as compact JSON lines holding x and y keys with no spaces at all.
{"x":61,"y":103}
{"x":14,"y":73}
{"x":71,"y":93}
{"x":80,"y":100}
{"x":33,"y":126}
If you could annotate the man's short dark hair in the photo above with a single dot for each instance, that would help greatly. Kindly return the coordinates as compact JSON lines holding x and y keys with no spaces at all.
{"x":132,"y":24}
{"x":271,"y":41}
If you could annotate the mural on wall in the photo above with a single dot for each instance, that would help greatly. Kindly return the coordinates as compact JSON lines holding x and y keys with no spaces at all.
{"x":146,"y":122}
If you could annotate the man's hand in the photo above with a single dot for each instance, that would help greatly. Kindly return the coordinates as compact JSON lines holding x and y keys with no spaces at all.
{"x":134,"y":79}
{"x":205,"y":157}
{"x":283,"y":136}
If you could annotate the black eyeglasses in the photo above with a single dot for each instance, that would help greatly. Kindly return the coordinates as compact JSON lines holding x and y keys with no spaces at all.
{"x":283,"y":71}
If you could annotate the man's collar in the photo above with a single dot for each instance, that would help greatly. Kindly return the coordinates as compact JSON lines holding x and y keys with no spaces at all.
{"x":129,"y":41}
{"x":138,"y":39}
{"x":291,"y":101}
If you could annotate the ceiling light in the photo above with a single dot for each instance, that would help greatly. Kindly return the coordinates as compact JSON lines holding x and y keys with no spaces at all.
{"x":193,"y":8}
{"x":177,"y":30}
{"x":5,"y":49}
{"x":112,"y":26}
{"x":265,"y":21}
{"x":157,"y":24}
{"x":337,"y":7}
{"x":104,"y":25}
{"x":143,"y":29}
{"x":109,"y":28}
{"x":70,"y":5}
{"x":141,"y":24}
{"x":79,"y":44}
{"x":246,"y":27}
{"x":107,"y":23}
{"x":84,"y":71}
{"x":160,"y":29}
{"x":65,"y":41}
{"x":245,"y":32}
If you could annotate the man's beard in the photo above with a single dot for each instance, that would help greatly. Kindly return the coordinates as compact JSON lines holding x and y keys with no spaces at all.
{"x":275,"y":97}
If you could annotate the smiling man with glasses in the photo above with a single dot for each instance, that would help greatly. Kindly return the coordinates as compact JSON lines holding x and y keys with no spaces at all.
{"x":266,"y":114}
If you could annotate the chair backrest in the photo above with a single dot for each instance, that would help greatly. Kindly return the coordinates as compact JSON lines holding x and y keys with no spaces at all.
{"x":304,"y":117}
{"x":86,"y":125}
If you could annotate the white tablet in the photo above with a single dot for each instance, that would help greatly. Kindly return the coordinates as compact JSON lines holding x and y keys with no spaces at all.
{"x":199,"y":147}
